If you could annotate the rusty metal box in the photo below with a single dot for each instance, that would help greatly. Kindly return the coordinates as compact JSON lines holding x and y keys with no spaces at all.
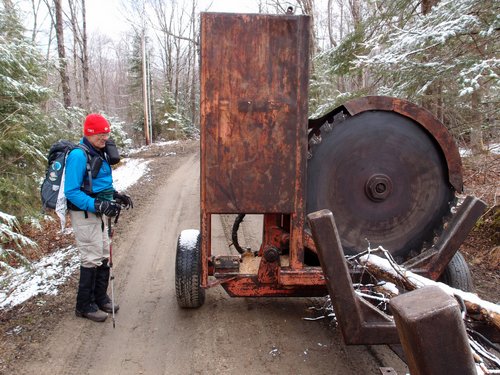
{"x":254,"y":77}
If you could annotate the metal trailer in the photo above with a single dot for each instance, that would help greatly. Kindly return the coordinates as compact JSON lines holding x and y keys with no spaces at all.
{"x":387,"y":169}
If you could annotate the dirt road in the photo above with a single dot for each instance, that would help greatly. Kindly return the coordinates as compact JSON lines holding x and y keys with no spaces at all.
{"x":225,"y":336}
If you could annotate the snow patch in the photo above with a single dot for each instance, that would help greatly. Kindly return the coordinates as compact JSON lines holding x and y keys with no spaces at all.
{"x":129,"y":173}
{"x":42,"y":277}
{"x":189,"y":238}
{"x":494,"y":148}
{"x":156,"y":144}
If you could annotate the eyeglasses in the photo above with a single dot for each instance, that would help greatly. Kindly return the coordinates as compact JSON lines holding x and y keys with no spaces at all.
{"x":102,"y":135}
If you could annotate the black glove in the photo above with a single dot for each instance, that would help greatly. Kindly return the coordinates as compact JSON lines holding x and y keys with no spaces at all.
{"x":123,"y":200}
{"x":107,"y":208}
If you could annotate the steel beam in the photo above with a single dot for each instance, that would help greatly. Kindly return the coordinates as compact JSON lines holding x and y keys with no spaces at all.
{"x":359,"y":321}
{"x":432,"y":333}
{"x":432,"y":262}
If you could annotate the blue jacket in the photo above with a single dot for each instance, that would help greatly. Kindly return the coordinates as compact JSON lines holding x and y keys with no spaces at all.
{"x":76,"y":172}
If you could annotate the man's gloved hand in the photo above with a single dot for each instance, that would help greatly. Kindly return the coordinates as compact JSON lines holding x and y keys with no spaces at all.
{"x":107,"y":208}
{"x":123,"y":200}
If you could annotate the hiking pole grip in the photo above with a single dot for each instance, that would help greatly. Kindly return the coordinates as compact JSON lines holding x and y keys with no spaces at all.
{"x":111,"y":276}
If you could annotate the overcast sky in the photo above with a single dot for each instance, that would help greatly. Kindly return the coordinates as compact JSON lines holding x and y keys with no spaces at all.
{"x":105,"y":16}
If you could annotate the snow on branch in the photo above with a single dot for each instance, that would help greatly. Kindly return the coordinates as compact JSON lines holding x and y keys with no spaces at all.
{"x":387,"y":269}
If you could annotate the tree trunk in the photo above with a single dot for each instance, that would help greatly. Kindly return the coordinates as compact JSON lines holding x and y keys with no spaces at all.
{"x":85,"y":58}
{"x":331,"y":37}
{"x":476,"y":132}
{"x":193,"y":65}
{"x":357,"y":23}
{"x":427,"y":5}
{"x":62,"y":56}
{"x":433,"y":93}
{"x":76,"y":47}
{"x":307,"y":8}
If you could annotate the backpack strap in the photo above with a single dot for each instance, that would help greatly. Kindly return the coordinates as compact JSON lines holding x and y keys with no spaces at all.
{"x":88,"y":168}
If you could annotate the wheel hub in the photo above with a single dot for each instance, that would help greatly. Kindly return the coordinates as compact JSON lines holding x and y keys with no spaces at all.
{"x":378,"y":187}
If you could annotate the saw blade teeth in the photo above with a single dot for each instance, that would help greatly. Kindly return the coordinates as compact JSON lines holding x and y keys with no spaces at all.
{"x":327,"y":127}
{"x":316,"y":139}
{"x":339,"y":117}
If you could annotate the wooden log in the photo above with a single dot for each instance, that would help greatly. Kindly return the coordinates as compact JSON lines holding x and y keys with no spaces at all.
{"x":385,"y":270}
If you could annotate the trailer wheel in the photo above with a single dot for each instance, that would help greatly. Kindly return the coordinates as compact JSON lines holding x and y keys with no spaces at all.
{"x":188,"y":288}
{"x":457,"y":274}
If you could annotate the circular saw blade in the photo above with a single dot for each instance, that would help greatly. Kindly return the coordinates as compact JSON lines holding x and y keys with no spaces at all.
{"x":385,"y":180}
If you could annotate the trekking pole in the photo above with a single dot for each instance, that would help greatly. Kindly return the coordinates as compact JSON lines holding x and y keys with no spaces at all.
{"x":111,"y":276}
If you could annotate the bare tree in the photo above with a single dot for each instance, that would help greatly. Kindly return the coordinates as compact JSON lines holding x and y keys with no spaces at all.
{"x":329,"y":12}
{"x":307,"y":7}
{"x":62,"y":56}
{"x":193,"y":64}
{"x":35,"y":9}
{"x":73,"y":21}
{"x":78,"y":24}
{"x":85,"y":57}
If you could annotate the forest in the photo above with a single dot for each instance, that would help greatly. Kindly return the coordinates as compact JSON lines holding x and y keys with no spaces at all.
{"x":440,"y":54}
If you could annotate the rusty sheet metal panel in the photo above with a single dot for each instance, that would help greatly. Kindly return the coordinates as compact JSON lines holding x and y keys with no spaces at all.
{"x":254,"y":76}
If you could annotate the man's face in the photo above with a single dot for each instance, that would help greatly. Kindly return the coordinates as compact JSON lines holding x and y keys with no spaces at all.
{"x":98,"y":140}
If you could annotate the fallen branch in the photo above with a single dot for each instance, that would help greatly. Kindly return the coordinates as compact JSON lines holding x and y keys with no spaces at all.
{"x":386,"y":270}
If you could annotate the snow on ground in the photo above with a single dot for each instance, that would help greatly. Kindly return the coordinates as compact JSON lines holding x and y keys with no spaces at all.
{"x":43,"y":277}
{"x":156,"y":144}
{"x":128,"y":174}
{"x":494,"y":148}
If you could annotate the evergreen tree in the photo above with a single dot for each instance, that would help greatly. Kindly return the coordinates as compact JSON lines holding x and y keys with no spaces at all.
{"x":401,"y":52}
{"x":337,"y":74}
{"x":170,"y":124}
{"x":23,"y":125}
{"x":453,"y":48}
{"x":135,"y":82}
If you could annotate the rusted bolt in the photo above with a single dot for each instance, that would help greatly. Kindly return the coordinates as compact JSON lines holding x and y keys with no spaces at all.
{"x":378,"y":187}
{"x":271,"y":254}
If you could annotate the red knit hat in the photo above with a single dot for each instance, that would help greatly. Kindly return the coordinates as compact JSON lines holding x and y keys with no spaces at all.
{"x":95,"y":124}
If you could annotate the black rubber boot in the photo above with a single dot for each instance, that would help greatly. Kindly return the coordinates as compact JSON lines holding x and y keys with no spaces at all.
{"x":85,"y":306}
{"x":101,"y":287}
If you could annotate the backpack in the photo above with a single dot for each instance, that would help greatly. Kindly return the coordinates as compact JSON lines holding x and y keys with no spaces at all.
{"x":58,"y":153}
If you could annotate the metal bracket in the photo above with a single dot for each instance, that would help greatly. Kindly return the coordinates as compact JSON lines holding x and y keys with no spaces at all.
{"x":360,"y":322}
{"x":227,"y":263}
{"x":432,"y":262}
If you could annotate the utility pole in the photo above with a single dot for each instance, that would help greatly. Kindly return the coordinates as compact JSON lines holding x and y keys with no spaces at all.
{"x":145,"y":87}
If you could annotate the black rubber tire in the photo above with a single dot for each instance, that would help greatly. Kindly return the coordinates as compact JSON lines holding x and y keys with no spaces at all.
{"x":188,"y":288}
{"x":457,"y":274}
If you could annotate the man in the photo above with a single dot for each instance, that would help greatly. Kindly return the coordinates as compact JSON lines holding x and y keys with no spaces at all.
{"x":90,"y":200}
